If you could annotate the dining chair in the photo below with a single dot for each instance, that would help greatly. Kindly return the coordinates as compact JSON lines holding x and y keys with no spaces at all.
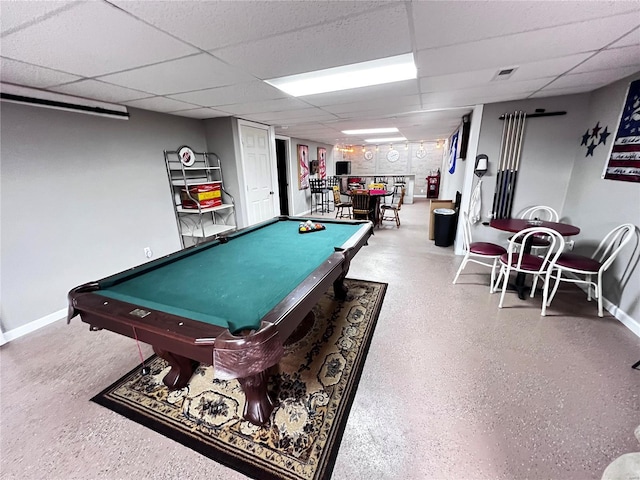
{"x":479,"y":252}
{"x":361,"y":203}
{"x":582,"y":269}
{"x":340,"y":205}
{"x":544,"y":213}
{"x":390,"y":212}
{"x":516,"y":260}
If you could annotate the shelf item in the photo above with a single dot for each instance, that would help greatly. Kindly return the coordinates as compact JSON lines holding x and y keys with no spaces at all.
{"x":203,"y":208}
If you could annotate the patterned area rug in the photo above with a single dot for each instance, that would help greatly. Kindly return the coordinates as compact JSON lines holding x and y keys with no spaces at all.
{"x":314,"y":384}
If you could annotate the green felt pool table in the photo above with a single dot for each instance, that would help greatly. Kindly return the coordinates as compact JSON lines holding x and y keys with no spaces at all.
{"x":231,"y":303}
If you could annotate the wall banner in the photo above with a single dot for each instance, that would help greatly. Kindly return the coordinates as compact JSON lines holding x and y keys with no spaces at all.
{"x":624,"y":161}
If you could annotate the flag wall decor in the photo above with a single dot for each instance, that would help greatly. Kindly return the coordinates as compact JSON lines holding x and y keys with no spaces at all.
{"x":623,"y":163}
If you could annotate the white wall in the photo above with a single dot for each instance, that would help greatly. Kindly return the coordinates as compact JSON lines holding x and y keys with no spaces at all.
{"x":81,"y":196}
{"x":408,"y":163}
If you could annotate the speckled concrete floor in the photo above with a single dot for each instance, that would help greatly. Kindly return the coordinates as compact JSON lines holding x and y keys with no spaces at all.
{"x":453,"y":388}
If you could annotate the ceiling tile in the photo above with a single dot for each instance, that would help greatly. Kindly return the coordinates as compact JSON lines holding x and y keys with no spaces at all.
{"x":364,"y":94}
{"x":15,"y":15}
{"x":632,"y":38}
{"x":303,"y":116}
{"x":31,"y":75}
{"x":159,"y":104}
{"x":200,"y":113}
{"x":598,"y":78}
{"x":256,"y":91}
{"x":210,"y":25}
{"x":555,"y":92}
{"x":176,"y":76}
{"x":350,"y":40}
{"x":524,"y":47}
{"x":611,"y":58}
{"x":389,"y":103}
{"x":277,"y":105}
{"x":440,"y":24}
{"x":527,"y":71}
{"x":100,"y":91}
{"x":68,"y":42}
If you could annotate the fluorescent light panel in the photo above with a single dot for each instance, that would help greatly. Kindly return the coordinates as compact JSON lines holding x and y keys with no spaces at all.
{"x":370,"y":131}
{"x":385,"y":140}
{"x":364,"y":74}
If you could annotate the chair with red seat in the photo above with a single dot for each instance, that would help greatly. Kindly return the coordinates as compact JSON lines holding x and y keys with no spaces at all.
{"x":540,"y":212}
{"x":479,"y":252}
{"x":516,"y":260}
{"x":583,"y":269}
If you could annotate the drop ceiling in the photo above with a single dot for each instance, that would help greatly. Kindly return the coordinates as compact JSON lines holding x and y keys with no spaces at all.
{"x":208,"y":59}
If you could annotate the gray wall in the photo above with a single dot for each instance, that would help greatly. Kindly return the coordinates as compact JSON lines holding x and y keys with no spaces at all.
{"x":548,"y":152}
{"x":222,"y":139}
{"x":81,"y":196}
{"x":597,"y":205}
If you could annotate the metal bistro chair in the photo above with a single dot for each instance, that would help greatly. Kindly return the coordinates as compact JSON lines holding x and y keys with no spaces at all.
{"x":361,"y":205}
{"x":515,"y":260}
{"x":340,"y":205}
{"x":479,"y":252}
{"x":390,"y":212}
{"x":540,"y":212}
{"x":585,"y":268}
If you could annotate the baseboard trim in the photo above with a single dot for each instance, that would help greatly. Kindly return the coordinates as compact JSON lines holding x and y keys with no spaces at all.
{"x":35,"y":325}
{"x":620,"y":315}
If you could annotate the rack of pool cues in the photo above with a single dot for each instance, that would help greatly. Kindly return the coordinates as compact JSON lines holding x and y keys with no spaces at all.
{"x":508,"y":164}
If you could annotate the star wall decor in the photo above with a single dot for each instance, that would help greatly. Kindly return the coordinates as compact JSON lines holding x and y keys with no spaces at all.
{"x":594,"y":137}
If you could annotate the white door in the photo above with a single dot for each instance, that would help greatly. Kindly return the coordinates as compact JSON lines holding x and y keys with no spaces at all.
{"x":256,"y":155}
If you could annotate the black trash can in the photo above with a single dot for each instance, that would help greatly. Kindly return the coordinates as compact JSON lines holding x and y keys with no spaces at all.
{"x":444,"y":226}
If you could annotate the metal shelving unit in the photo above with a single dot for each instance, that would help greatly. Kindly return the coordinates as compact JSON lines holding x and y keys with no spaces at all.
{"x":197,"y":221}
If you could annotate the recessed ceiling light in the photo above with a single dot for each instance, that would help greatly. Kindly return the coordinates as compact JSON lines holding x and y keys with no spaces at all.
{"x":385,"y":140}
{"x":364,"y":74}
{"x":366,"y":131}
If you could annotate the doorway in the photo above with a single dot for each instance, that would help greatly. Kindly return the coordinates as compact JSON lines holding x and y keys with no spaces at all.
{"x":283,"y":184}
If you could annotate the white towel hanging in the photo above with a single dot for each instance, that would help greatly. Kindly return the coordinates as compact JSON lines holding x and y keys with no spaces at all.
{"x":475,"y":208}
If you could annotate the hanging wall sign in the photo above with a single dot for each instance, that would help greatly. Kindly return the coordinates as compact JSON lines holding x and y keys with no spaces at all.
{"x":303,"y":167}
{"x":322,"y":162}
{"x":453,"y":152}
{"x":623,"y":163}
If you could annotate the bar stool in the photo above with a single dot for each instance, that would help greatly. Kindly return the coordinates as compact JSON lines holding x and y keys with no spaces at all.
{"x":398,"y":184}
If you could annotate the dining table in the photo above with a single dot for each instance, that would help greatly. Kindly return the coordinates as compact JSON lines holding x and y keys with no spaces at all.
{"x":375,"y":197}
{"x":515,"y":225}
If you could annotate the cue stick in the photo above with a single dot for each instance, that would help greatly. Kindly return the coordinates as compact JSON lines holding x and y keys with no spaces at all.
{"x":517,"y":165}
{"x":496,"y":193}
{"x":510,"y":165}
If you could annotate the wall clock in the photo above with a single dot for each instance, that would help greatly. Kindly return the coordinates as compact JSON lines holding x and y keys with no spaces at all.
{"x":368,"y":155}
{"x":393,"y":155}
{"x":421,"y":152}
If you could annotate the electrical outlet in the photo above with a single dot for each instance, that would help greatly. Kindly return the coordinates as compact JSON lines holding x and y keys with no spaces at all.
{"x":147,"y":252}
{"x":569,"y":245}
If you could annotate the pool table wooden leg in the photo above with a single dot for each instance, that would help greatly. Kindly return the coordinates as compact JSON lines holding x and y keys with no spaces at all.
{"x":182,"y":369}
{"x":258,"y":405}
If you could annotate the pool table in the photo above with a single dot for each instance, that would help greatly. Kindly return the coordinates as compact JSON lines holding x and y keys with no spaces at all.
{"x":232,"y":302}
